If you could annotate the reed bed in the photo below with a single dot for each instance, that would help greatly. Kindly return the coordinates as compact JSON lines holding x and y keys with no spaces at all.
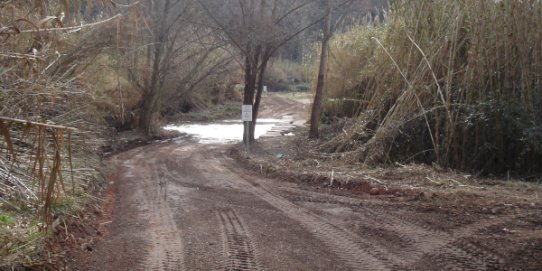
{"x":455,"y":83}
{"x":49,"y":125}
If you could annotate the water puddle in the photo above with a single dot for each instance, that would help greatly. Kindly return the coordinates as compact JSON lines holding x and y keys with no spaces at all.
{"x":227,"y":131}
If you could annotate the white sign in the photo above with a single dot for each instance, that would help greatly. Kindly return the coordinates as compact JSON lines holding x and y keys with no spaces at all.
{"x":247,"y":112}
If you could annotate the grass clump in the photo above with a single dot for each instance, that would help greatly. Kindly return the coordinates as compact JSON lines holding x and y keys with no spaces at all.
{"x":456,"y":83}
{"x":6,"y":219}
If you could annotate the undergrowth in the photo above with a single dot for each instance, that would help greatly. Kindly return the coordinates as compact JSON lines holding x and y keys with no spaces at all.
{"x":50,"y":124}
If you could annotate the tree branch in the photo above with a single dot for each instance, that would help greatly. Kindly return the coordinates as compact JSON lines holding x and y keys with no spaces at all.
{"x":71,"y":27}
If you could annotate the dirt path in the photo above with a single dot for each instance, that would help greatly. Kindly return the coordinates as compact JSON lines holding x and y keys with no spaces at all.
{"x":187,"y":206}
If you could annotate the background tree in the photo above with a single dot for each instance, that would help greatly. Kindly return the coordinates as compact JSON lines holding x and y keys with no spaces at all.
{"x":181,"y":52}
{"x":320,"y":84}
{"x":257,"y":29}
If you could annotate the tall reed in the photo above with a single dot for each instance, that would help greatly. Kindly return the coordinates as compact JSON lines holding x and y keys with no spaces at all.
{"x":457,"y":83}
{"x":46,"y":169}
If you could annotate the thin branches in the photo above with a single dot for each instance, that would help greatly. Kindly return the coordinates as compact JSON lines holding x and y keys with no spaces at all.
{"x":70,"y":27}
{"x":32,"y":123}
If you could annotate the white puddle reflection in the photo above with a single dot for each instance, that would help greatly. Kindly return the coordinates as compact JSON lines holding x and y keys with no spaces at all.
{"x":227,"y":131}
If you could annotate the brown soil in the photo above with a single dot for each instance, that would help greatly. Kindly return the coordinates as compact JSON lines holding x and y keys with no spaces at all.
{"x":187,"y":206}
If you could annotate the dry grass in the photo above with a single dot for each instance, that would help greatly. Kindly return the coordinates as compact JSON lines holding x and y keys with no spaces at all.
{"x":456,"y":83}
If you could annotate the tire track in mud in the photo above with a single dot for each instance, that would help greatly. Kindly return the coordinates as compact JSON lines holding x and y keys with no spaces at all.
{"x":408,"y":243}
{"x":171,"y":174}
{"x":451,"y":249}
{"x":358,"y":254}
{"x":423,"y":240}
{"x":460,"y":252}
{"x":454,"y":249}
{"x":355,"y":253}
{"x":165,"y":249}
{"x":465,"y":256}
{"x":238,"y":250}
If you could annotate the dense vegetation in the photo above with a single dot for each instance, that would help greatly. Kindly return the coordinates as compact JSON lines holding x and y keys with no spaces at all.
{"x":456,"y":83}
{"x":50,"y":121}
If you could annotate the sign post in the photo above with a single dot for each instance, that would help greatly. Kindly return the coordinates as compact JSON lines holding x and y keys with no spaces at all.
{"x":246,"y":112}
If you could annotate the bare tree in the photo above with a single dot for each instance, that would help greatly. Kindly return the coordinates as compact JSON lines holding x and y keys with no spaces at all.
{"x":335,"y":14}
{"x":181,"y":53}
{"x":258,"y":28}
{"x":320,"y":85}
{"x":157,"y":51}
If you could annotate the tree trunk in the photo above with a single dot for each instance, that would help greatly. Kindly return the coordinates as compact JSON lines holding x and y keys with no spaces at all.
{"x":318,"y":96}
{"x":150,"y":98}
{"x":147,"y":110}
{"x":251,"y":72}
{"x":261,"y":76}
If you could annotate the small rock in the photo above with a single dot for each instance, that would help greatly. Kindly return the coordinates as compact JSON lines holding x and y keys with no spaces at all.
{"x":374,"y":191}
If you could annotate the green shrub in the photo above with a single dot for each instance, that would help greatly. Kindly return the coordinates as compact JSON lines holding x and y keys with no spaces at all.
{"x":6,"y":219}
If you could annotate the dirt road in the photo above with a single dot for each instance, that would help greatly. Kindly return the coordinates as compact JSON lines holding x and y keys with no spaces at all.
{"x":188,"y":206}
